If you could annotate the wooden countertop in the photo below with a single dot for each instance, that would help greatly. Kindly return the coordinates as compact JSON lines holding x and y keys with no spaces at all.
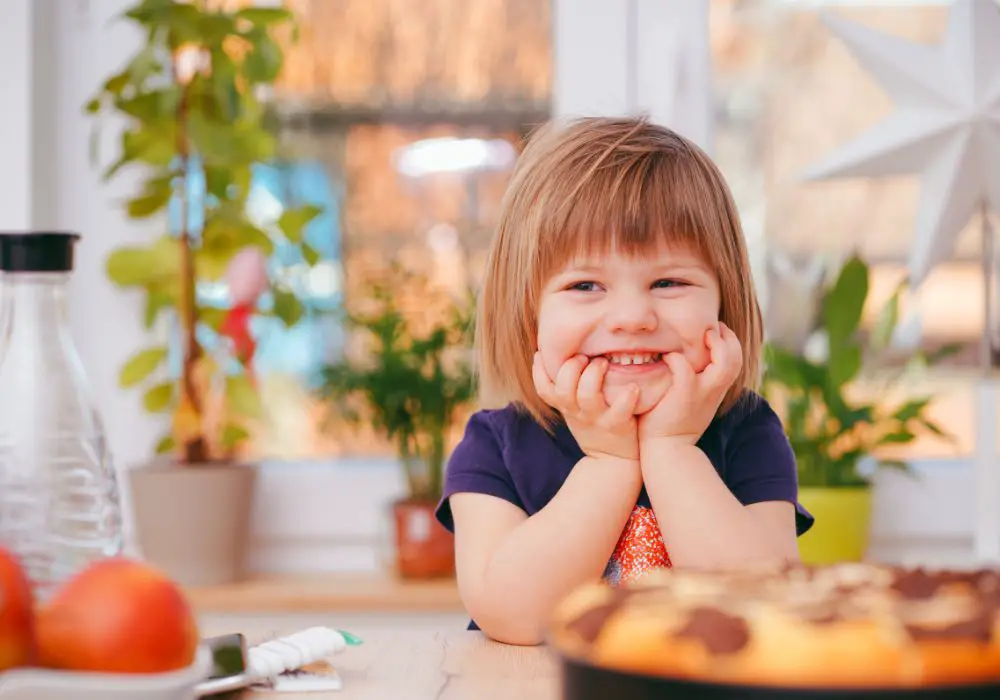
{"x":341,"y":592}
{"x":420,"y":665}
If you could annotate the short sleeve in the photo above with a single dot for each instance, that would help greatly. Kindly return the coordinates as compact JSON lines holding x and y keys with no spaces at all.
{"x":476,"y":465}
{"x":760,"y":463}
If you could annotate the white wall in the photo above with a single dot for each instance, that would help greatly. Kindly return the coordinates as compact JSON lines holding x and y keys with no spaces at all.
{"x":334,"y":516}
{"x":15,"y":118}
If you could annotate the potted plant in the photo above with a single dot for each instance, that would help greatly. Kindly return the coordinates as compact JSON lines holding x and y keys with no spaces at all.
{"x":839,"y":414}
{"x":410,"y":384}
{"x":194,"y":128}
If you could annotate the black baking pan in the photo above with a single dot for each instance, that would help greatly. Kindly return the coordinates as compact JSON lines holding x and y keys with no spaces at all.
{"x":585,"y":682}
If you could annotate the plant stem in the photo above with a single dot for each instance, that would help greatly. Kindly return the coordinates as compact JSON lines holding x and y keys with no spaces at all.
{"x":411,"y":461}
{"x":436,"y":463}
{"x":195,"y":449}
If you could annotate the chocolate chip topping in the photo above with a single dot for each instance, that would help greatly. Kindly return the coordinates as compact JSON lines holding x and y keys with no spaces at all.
{"x":977,"y":629}
{"x":917,"y":584}
{"x":590,"y":623}
{"x":720,"y":632}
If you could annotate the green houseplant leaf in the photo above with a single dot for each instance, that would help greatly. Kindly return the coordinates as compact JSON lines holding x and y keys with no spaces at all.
{"x":141,"y":365}
{"x":844,"y":304}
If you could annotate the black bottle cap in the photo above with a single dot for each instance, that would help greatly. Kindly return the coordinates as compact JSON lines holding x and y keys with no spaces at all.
{"x":37,"y":251}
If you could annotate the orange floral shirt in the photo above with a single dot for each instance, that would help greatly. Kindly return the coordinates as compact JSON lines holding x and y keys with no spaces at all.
{"x":640,"y":549}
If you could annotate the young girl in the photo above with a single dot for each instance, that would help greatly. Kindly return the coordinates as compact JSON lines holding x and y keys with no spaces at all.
{"x":618,"y":338}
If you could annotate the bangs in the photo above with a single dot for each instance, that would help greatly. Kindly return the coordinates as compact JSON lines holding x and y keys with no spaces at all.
{"x":632,"y":204}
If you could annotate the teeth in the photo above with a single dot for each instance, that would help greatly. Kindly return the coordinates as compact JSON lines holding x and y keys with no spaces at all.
{"x":633,"y":359}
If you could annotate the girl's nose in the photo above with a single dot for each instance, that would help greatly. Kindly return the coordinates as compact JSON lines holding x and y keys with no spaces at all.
{"x":631,"y":313}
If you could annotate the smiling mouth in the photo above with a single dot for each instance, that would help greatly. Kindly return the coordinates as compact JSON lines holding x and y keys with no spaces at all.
{"x":628,"y":359}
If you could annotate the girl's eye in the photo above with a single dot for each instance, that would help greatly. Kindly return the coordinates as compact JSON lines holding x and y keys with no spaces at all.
{"x":668,"y":284}
{"x":583,"y":286}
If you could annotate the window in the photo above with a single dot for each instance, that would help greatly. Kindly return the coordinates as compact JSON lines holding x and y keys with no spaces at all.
{"x":404,"y":119}
{"x":788,"y":93}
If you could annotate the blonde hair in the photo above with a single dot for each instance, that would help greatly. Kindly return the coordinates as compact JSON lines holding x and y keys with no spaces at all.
{"x":593,"y":185}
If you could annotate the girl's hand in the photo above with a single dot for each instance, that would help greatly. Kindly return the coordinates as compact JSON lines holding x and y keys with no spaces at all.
{"x":577,"y":393}
{"x":690,"y":404}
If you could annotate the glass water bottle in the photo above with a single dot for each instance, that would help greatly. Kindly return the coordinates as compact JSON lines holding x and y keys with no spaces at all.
{"x":59,"y":498}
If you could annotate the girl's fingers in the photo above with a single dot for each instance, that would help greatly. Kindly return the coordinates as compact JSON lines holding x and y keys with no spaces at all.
{"x":718,"y":360}
{"x":682,"y":374}
{"x":733,"y":345}
{"x":543,"y":385}
{"x":590,"y":390}
{"x":567,"y":380}
{"x":623,"y":407}
{"x":726,"y":359}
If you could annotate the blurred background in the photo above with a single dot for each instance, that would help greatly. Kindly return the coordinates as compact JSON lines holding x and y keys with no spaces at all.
{"x":400,"y":121}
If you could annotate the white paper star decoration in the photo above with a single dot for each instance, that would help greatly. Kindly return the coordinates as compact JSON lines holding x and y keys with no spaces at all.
{"x":946,"y":126}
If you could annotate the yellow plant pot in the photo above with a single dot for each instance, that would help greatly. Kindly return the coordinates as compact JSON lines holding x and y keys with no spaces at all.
{"x":843,"y":517}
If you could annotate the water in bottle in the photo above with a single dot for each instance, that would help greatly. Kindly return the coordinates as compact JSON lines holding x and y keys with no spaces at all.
{"x":59,"y":498}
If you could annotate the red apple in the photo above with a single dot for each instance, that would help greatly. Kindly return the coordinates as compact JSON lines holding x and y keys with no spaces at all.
{"x":17,"y":614}
{"x":118,"y":616}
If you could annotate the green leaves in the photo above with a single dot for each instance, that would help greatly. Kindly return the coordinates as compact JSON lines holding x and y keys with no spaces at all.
{"x":843,"y":306}
{"x":844,"y":364}
{"x":408,"y":385}
{"x":151,"y":106}
{"x":158,"y":298}
{"x":911,"y":409}
{"x":154,"y":197}
{"x":224,"y":144}
{"x":180,"y":22}
{"x":287,"y":307}
{"x":886,"y":321}
{"x":845,"y":302}
{"x":152,"y":144}
{"x":166,"y":444}
{"x":157,"y":398}
{"x":263,"y":63}
{"x":830,"y":424}
{"x":242,"y":396}
{"x":292,"y":222}
{"x":233,"y":435}
{"x":310,"y":254}
{"x":145,"y":266}
{"x":141,"y":365}
{"x":264,"y":16}
{"x":153,"y":266}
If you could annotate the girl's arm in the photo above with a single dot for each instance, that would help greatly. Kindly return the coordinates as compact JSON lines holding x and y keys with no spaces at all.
{"x":748,"y":520}
{"x":704,"y":524}
{"x":512,"y":569}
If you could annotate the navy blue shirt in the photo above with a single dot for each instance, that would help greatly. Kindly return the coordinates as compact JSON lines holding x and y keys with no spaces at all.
{"x":507,"y":454}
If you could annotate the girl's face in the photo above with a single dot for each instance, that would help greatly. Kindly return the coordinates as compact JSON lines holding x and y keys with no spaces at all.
{"x":632,"y":310}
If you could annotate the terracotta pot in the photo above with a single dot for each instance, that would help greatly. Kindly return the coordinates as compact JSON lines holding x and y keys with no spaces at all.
{"x":193,"y":522}
{"x":424,"y":549}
